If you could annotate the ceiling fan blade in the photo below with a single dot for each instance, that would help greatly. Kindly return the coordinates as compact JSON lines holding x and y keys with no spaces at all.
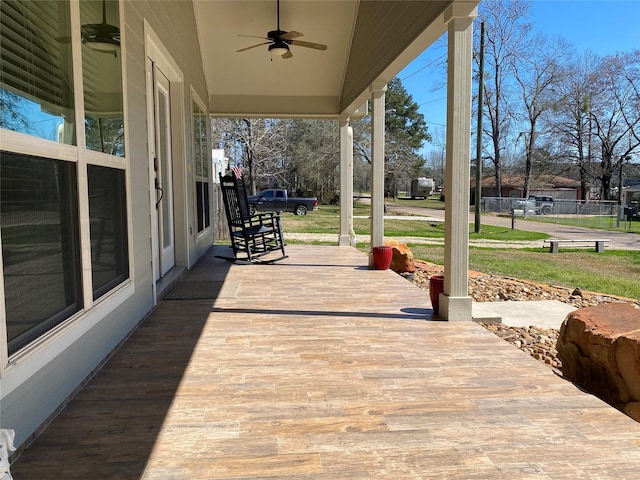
{"x":253,"y":36}
{"x":290,"y":35}
{"x":287,"y":55}
{"x":302,"y":43}
{"x":253,"y":46}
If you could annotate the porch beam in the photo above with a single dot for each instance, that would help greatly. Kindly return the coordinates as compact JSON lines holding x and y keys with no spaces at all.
{"x":347,"y":237}
{"x":377,"y":90}
{"x":455,"y":303}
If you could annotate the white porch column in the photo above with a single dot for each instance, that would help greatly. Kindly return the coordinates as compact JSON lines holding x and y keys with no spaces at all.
{"x":377,"y":165}
{"x":455,"y":303}
{"x":347,"y":235}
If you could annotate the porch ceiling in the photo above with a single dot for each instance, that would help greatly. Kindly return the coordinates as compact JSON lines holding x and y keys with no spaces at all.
{"x":368,"y":41}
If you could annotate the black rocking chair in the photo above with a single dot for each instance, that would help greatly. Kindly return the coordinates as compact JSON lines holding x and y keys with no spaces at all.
{"x":255,"y":236}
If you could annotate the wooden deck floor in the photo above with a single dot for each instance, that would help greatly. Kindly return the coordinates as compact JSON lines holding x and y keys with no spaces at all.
{"x":317,"y":368}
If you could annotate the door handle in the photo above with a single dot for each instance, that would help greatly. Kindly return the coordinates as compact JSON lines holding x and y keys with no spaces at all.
{"x":158,"y":188}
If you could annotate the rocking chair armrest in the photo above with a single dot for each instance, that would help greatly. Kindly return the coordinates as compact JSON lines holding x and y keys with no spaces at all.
{"x":262,"y":220}
{"x":267,"y":218}
{"x":268,"y":215}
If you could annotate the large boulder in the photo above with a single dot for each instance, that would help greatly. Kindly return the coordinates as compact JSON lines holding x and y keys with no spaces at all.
{"x":402,"y":260}
{"x":599,"y":348}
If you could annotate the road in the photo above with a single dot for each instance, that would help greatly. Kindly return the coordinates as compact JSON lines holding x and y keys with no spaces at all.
{"x":619,"y":240}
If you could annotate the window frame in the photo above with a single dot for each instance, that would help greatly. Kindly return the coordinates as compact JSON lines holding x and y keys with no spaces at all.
{"x":104,"y":289}
{"x":204,"y":156}
{"x":67,"y":248}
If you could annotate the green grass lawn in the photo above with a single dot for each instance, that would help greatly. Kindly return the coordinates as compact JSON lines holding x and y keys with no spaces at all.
{"x":431,"y":202}
{"x":614,"y":272}
{"x":598,"y":222}
{"x":326,"y":220}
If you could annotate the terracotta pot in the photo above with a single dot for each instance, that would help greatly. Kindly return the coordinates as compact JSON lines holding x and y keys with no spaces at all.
{"x":436,"y":287}
{"x":382,"y":257}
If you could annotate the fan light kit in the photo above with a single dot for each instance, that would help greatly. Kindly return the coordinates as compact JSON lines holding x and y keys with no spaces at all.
{"x":102,"y":37}
{"x":278,"y":49}
{"x":279,"y":41}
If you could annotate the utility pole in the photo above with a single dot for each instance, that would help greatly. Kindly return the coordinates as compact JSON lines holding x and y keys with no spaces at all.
{"x":478,"y":199}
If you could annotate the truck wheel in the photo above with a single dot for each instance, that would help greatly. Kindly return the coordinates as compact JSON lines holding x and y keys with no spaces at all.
{"x":252,"y":209}
{"x":300,"y":210}
{"x":545,"y":210}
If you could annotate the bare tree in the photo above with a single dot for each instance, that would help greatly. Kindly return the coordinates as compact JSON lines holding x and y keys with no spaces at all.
{"x":223,"y":136}
{"x":506,"y":31}
{"x":314,"y":150}
{"x":11,"y":116}
{"x":537,"y":71}
{"x":258,"y":145}
{"x":615,"y":112}
{"x":571,"y":121}
{"x":434,"y":161}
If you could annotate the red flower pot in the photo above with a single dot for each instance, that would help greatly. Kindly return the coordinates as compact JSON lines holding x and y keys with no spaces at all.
{"x":382,"y":257}
{"x":436,"y":287}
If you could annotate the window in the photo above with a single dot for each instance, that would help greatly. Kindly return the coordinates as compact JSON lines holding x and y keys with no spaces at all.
{"x":108,"y":221}
{"x":102,"y":78}
{"x":36,"y":71}
{"x":202,"y":194}
{"x":40,"y":222}
{"x":201,"y":167}
{"x":40,"y":245}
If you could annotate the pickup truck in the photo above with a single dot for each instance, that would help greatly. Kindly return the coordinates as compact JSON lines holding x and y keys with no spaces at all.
{"x":277,"y":200}
{"x":544,"y":205}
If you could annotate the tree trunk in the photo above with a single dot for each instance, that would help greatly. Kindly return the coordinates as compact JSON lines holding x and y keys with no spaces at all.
{"x":497,"y":163}
{"x":584,"y":185}
{"x":606,"y":186}
{"x":528,"y":167}
{"x":498,"y":176}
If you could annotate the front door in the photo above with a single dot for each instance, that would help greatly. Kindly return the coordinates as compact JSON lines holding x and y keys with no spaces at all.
{"x":162,"y":179}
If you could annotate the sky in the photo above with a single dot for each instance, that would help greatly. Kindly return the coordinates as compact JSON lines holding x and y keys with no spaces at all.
{"x":602,"y":26}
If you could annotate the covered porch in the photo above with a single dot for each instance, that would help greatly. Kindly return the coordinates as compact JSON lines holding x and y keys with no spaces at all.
{"x":368,"y":44}
{"x":317,"y":367}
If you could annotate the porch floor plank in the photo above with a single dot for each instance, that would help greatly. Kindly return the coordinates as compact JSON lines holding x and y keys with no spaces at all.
{"x":319,"y":368}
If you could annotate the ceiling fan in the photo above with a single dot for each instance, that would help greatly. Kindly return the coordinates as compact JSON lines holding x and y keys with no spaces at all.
{"x":279,"y":40}
{"x":102,"y":37}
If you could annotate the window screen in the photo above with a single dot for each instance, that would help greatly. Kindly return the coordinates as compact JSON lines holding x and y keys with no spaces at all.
{"x":40,"y":247}
{"x":108,"y":220}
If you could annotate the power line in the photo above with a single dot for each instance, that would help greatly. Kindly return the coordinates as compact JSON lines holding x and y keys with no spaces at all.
{"x":422,"y":68}
{"x":433,"y":101}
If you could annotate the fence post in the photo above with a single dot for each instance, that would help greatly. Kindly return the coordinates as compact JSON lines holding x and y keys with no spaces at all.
{"x":221,"y":228}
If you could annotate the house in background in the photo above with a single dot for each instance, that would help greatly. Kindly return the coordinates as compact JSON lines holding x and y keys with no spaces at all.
{"x":560,"y":188}
{"x":631,"y":195}
{"x":105,"y":159}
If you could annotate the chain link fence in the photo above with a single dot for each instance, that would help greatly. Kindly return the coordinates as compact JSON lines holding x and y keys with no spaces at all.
{"x":594,"y":214}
